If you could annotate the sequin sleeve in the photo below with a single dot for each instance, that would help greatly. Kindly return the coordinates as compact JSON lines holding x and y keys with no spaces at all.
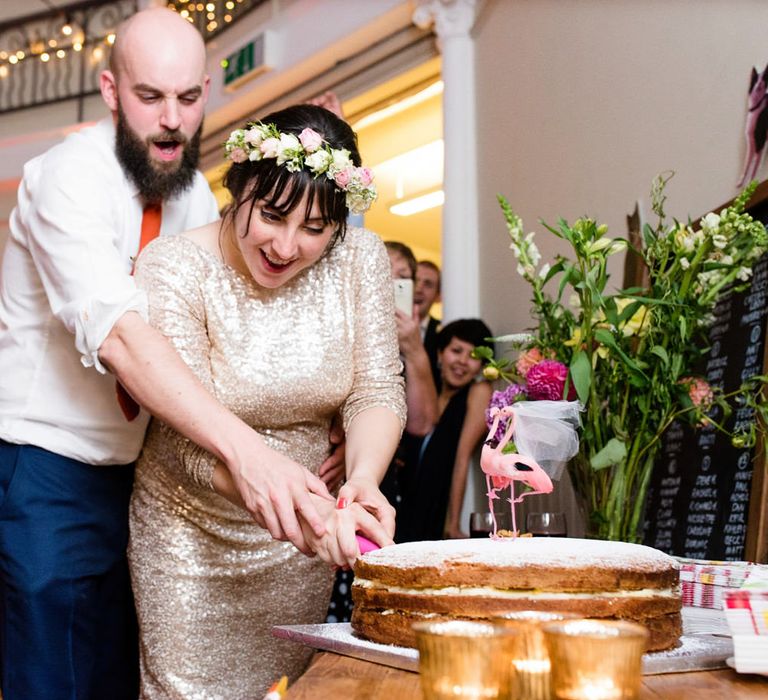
{"x":378,"y":377}
{"x":170,"y":270}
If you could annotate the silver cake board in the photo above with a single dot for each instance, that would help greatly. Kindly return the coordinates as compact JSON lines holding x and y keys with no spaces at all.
{"x":695,"y":652}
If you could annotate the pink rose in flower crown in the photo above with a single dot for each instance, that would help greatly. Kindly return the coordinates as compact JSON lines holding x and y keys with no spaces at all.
{"x":311,"y":140}
{"x":238,"y":155}
{"x":343,"y":177}
{"x":546,"y":381}
{"x":365,"y":175}
{"x":527,"y":360}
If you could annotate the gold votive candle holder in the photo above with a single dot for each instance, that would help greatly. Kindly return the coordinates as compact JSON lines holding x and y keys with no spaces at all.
{"x":595,"y":659}
{"x":465,"y":660}
{"x":530,"y":663}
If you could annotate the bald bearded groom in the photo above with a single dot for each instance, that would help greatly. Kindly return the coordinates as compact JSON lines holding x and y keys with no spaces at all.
{"x":71,"y":323}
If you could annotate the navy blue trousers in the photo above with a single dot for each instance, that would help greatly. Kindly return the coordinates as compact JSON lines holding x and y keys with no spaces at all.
{"x":67,"y":621}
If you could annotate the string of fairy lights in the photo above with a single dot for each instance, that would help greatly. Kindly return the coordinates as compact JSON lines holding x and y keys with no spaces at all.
{"x":208,"y":16}
{"x":68,"y":37}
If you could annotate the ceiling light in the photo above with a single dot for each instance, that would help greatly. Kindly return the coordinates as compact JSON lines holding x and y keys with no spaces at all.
{"x":422,"y":202}
{"x":407,"y":102}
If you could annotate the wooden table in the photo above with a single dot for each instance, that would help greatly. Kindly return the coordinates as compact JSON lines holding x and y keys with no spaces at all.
{"x":334,"y":676}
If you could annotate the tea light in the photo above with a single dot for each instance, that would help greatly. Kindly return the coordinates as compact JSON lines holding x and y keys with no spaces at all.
{"x":462,"y":660}
{"x":531,"y":667}
{"x":595,"y":659}
{"x":596,"y":689}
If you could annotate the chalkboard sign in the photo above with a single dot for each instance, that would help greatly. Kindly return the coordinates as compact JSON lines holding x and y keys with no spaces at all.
{"x":707,"y":499}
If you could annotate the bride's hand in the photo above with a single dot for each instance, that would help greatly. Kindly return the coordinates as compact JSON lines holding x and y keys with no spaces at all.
{"x":282,"y":497}
{"x":366,"y":493}
{"x":339,"y":545}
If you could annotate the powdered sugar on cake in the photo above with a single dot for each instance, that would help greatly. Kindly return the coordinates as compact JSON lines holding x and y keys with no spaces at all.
{"x":522,"y":552}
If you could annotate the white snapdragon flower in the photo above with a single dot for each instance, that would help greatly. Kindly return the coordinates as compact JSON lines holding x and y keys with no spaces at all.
{"x":685,"y":263}
{"x":533,"y":253}
{"x":710,"y":222}
{"x":744,"y":273}
{"x":719,"y":241}
{"x":544,"y":270}
{"x":684,"y":240}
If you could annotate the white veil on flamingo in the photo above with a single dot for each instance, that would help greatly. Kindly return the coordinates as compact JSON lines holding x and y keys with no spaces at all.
{"x":545,"y":435}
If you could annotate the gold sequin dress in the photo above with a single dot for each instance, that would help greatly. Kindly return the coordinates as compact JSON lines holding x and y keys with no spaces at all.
{"x":210,"y":583}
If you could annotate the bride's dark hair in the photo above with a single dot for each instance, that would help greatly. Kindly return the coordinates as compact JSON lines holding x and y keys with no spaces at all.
{"x":282,"y":190}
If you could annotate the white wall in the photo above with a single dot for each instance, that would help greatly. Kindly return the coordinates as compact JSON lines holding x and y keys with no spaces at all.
{"x":582,"y":103}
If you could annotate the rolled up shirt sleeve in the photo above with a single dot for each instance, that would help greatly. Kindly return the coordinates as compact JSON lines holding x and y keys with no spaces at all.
{"x":75,"y":232}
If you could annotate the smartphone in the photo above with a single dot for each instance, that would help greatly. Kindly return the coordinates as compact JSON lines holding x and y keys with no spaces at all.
{"x":404,"y":295}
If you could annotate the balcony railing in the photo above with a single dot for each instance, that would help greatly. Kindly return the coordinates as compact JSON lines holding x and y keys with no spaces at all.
{"x":58,"y":55}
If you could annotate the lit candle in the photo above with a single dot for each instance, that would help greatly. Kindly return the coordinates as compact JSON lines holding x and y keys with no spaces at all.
{"x":592,"y":689}
{"x":448,"y":688}
{"x":531,"y":679}
{"x":531,"y":665}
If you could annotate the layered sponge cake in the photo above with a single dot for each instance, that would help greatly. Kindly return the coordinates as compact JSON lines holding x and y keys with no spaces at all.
{"x":484,"y":578}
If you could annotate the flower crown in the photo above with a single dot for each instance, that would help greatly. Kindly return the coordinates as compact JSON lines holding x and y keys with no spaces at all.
{"x":307,"y":150}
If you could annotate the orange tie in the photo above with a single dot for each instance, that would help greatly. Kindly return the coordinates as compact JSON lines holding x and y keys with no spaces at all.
{"x":150,"y":229}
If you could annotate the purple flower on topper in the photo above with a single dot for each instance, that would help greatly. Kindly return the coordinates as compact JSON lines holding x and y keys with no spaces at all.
{"x":500,"y":399}
{"x":546,"y":381}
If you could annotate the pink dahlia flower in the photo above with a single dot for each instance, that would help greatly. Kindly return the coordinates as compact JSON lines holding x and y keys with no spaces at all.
{"x":546,"y":381}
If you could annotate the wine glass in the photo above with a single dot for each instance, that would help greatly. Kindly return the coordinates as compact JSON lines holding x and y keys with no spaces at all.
{"x":547,"y":524}
{"x":480,"y":524}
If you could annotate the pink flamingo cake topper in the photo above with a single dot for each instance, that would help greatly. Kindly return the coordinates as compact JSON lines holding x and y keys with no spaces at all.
{"x":558,"y":441}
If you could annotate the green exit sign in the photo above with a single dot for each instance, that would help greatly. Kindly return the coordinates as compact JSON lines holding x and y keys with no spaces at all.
{"x":246,"y":63}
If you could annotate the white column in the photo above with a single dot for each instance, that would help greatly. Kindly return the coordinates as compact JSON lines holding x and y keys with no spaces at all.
{"x":453,"y":20}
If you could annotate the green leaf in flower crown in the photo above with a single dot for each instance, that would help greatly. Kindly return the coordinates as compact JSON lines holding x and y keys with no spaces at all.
{"x":614,"y":452}
{"x":581,"y":374}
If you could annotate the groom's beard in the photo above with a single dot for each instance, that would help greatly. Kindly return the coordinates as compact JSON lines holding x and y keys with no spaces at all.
{"x":156,"y":180}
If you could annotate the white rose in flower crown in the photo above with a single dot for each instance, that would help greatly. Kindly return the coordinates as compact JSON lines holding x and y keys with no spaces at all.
{"x":318,"y":161}
{"x":340,"y":160}
{"x":253,"y":136}
{"x":270,"y":147}
{"x":289,"y":151}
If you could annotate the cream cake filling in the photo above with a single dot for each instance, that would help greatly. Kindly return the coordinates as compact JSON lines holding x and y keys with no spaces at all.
{"x":501,"y":593}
